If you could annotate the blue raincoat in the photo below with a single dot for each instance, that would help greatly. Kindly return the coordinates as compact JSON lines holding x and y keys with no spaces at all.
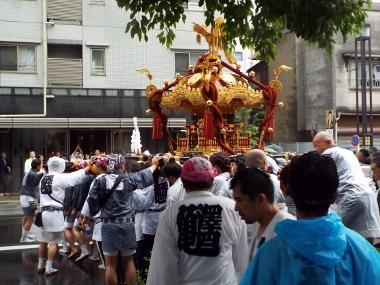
{"x":319,"y":251}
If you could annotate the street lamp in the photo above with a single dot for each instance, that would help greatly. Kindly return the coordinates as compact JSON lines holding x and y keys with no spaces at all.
{"x":364,"y":42}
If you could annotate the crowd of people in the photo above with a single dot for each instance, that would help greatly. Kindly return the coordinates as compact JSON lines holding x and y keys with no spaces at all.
{"x":247,"y":219}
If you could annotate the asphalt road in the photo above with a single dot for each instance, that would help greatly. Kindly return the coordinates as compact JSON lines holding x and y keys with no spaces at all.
{"x":18,"y":262}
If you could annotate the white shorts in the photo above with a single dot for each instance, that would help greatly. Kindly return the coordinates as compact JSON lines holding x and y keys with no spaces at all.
{"x":68,"y":225}
{"x":97,"y":234}
{"x":50,"y":237}
{"x":123,"y":252}
{"x":25,"y":200}
{"x":69,"y":222}
{"x":76,"y":224}
{"x":26,"y":205}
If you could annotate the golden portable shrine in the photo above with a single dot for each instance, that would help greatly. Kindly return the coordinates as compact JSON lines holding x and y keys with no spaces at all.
{"x":212,"y":91}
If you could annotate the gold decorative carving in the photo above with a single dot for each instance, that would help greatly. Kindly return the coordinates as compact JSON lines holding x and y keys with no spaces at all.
{"x":228,"y":78}
{"x":150,"y":89}
{"x":194,"y":79}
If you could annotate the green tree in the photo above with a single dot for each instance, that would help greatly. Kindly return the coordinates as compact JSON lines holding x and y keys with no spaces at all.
{"x":250,"y":121}
{"x":258,"y":24}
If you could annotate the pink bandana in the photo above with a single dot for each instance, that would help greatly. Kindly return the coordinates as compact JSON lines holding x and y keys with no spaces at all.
{"x":198,"y":169}
{"x":102,"y":162}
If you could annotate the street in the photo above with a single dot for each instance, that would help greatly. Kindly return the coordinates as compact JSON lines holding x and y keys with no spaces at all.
{"x":18,"y":262}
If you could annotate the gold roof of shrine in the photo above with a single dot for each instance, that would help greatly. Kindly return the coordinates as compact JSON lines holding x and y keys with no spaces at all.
{"x":234,"y":93}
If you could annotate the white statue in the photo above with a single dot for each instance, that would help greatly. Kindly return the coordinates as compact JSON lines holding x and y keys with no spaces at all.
{"x":136,"y":139}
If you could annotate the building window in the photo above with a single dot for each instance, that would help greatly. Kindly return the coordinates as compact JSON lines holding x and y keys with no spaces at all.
{"x":375,"y":68}
{"x":98,"y":66}
{"x":184,"y":59}
{"x":27,"y":58}
{"x":18,"y":58}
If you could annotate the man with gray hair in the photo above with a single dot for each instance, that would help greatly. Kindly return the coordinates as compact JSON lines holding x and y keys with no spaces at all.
{"x":257,"y":158}
{"x":356,"y":203}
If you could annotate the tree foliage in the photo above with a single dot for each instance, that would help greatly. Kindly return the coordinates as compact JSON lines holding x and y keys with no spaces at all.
{"x":258,"y":24}
{"x":250,"y":121}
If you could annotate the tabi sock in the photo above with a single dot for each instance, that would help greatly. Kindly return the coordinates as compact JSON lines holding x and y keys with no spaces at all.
{"x":24,"y":234}
{"x":49,"y":265}
{"x":41,"y":262}
{"x":64,"y":246}
{"x":84,"y":249}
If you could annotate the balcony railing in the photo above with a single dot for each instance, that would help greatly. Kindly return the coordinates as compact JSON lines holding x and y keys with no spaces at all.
{"x":65,"y":72}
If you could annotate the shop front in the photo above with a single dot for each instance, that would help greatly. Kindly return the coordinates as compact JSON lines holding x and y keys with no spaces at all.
{"x":50,"y":135}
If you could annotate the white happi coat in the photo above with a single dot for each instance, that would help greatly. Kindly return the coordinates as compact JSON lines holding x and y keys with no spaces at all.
{"x":351,"y":178}
{"x":139,"y":213}
{"x":356,"y":203}
{"x":176,"y":192}
{"x":53,"y":220}
{"x":226,"y":191}
{"x":255,"y":241}
{"x":143,"y":200}
{"x":220,"y":183}
{"x":171,"y":265}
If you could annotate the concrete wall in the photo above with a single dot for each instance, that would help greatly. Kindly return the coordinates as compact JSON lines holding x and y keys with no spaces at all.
{"x":314,"y":81}
{"x":307,"y":90}
{"x":286,"y":117}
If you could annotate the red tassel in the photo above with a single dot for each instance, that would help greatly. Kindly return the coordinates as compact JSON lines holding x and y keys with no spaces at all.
{"x":208,"y":127}
{"x":157,"y":127}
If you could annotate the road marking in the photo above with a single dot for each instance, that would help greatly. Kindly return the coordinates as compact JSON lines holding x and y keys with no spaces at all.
{"x":18,"y":247}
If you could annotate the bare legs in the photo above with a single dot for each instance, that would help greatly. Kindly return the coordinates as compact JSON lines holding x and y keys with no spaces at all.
{"x":45,"y":252}
{"x":111,"y":277}
{"x":69,"y":237}
{"x":27,"y":222}
{"x":129,"y":270}
{"x":52,"y":251}
{"x":42,"y":251}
